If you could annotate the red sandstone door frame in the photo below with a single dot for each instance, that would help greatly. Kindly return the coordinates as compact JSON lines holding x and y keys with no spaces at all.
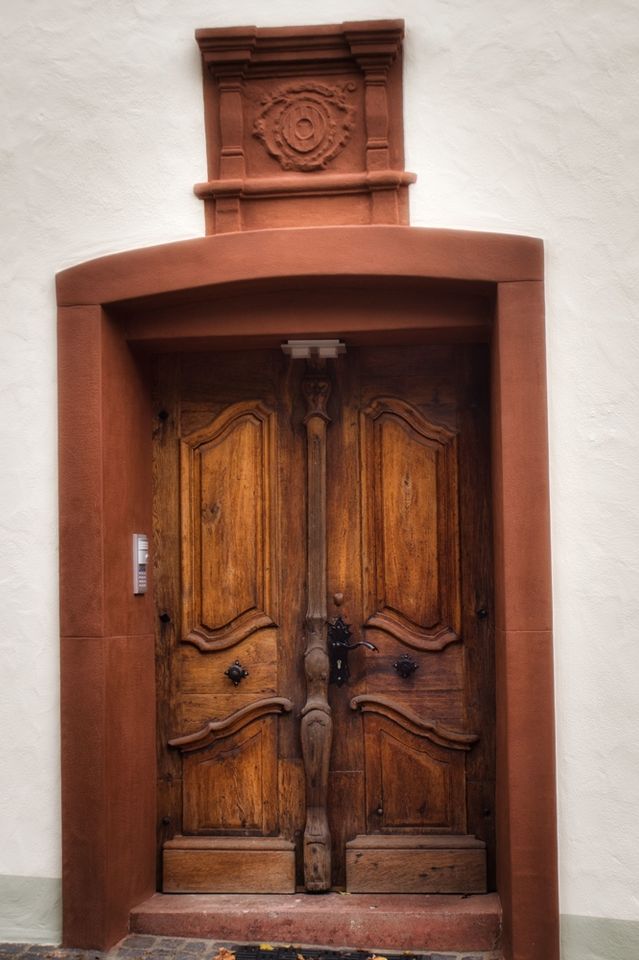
{"x":107,"y":634}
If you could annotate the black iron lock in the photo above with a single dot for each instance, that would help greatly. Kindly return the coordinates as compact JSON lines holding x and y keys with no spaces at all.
{"x":339,"y":645}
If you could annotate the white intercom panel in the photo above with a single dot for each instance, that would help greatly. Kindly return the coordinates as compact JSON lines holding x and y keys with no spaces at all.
{"x":140,"y":562}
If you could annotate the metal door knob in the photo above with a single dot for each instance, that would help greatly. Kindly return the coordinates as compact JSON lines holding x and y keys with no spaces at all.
{"x":236,"y":673}
{"x":405,"y":666}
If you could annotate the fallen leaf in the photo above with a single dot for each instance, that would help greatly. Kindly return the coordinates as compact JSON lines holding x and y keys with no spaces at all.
{"x":375,"y":957}
{"x":224,"y":954}
{"x":266,"y":946}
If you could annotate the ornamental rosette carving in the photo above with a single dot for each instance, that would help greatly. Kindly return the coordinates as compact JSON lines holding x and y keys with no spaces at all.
{"x":305,"y":125}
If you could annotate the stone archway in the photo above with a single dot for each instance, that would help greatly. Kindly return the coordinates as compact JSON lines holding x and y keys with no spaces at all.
{"x":110,"y":311}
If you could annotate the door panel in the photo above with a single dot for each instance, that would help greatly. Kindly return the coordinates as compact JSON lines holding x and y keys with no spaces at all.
{"x":228,"y":505}
{"x":414,"y":771}
{"x":230,"y":786}
{"x":401,"y":554}
{"x":411,"y":530}
{"x":401,"y":759}
{"x":222,"y":463}
{"x":407,"y":566}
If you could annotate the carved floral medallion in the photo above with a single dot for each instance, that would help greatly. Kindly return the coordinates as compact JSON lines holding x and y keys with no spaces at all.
{"x":305,"y":125}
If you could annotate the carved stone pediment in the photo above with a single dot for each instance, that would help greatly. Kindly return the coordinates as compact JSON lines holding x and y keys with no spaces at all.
{"x":304,"y":126}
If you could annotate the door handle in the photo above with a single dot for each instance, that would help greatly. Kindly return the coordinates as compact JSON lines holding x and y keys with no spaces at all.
{"x":339,"y":646}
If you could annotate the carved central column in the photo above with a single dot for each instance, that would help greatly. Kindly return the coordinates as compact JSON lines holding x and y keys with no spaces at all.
{"x":317,"y":725}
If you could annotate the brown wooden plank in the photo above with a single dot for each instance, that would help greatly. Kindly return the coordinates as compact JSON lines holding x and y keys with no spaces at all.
{"x":423,"y":868}
{"x":346,"y":816}
{"x":477,"y":592}
{"x":436,"y":670}
{"x":378,"y":841}
{"x":194,"y":710}
{"x":421,"y":372}
{"x":480,"y":799}
{"x":166,"y":574}
{"x":169,"y":793}
{"x":215,"y":866}
{"x":292,"y":486}
{"x":258,"y":656}
{"x":344,"y":565}
{"x":221,"y":844}
{"x":441,"y":706}
{"x":292,"y":793}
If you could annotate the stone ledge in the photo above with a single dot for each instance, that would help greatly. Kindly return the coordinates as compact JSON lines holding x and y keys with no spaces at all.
{"x":374,"y":922}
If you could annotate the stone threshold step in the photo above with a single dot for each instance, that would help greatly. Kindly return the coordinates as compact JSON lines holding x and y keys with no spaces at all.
{"x":373,"y":922}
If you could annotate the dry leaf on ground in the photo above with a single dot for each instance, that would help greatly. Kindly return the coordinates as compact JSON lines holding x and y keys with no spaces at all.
{"x":224,"y":954}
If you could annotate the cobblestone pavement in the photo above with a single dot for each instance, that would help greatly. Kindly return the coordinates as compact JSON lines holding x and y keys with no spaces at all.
{"x":141,"y":947}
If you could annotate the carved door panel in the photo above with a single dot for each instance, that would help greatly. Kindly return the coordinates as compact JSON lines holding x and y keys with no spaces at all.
{"x":244,"y":528}
{"x":229,"y":509}
{"x":409,"y":566}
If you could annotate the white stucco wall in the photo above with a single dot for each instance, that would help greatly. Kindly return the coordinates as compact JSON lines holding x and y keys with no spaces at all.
{"x":519,"y":117}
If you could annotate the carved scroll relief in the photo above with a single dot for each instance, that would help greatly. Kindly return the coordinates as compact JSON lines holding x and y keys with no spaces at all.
{"x":229,"y":527}
{"x":410,"y":523}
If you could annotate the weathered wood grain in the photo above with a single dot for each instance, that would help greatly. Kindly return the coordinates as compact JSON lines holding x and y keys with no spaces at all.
{"x":224,"y":865}
{"x":383,"y":519}
{"x":416,"y":865}
{"x":316,"y":724}
{"x":166,"y":576}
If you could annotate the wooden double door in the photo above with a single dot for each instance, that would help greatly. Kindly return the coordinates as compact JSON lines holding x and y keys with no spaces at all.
{"x":323,"y":580}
